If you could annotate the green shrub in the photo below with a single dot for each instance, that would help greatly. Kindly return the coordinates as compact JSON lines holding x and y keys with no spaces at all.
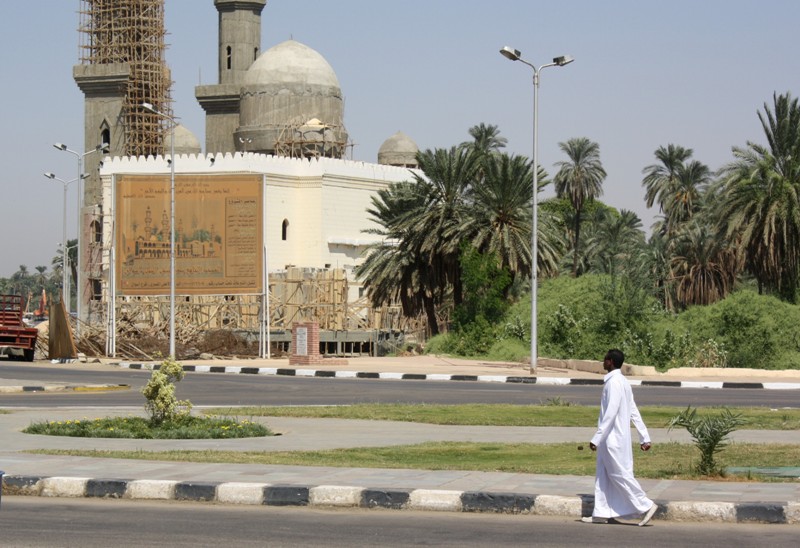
{"x":437,"y":344}
{"x":709,"y":433}
{"x":509,"y":350}
{"x":161,"y":404}
{"x":181,"y":427}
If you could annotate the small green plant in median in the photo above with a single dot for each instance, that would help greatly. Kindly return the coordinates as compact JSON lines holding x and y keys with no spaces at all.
{"x":709,"y":433}
{"x":161,"y":404}
{"x":183,"y":427}
{"x":170,"y":418}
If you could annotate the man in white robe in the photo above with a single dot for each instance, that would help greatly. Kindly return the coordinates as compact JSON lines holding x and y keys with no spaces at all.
{"x":616,"y":491}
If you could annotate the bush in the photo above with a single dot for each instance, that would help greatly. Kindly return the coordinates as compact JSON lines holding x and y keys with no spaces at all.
{"x":161,"y":404}
{"x":182,"y":427}
{"x":509,"y":350}
{"x":709,"y":433}
{"x":757,"y":331}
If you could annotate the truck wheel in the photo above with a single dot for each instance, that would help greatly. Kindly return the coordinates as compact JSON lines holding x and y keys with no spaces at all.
{"x":28,"y":354}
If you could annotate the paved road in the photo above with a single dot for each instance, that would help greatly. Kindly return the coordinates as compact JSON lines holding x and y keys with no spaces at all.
{"x":456,"y":491}
{"x":95,"y":524}
{"x":243,"y":389}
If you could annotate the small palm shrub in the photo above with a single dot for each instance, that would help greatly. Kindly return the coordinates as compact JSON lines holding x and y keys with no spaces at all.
{"x":709,"y":433}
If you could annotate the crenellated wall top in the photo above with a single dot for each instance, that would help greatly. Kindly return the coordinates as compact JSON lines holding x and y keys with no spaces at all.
{"x":249,"y":162}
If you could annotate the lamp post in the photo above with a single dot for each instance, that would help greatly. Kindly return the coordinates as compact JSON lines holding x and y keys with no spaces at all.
{"x":78,"y":282}
{"x":516,"y":55}
{"x":64,"y":276}
{"x":173,"y":123}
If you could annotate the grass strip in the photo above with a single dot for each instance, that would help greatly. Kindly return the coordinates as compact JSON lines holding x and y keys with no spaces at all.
{"x":663,"y":461}
{"x":560,"y":413}
{"x":183,"y":427}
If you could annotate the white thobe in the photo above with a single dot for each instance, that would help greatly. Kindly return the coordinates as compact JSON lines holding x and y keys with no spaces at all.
{"x":616,"y":491}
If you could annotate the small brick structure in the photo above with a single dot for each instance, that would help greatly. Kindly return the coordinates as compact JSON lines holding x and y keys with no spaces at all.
{"x":305,"y":346}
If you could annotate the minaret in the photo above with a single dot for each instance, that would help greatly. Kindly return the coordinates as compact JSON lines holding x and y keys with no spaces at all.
{"x":122,"y":64}
{"x":239,"y":46}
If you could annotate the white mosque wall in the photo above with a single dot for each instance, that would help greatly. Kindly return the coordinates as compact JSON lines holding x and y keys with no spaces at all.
{"x":324,"y":201}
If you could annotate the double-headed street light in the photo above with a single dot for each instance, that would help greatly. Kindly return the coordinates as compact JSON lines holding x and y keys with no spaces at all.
{"x":515,"y":55}
{"x":79,"y":281}
{"x":64,"y":275}
{"x":173,"y":123}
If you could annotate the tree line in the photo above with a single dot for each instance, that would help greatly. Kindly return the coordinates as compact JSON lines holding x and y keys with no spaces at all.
{"x":715,"y":231}
{"x":30,"y":284}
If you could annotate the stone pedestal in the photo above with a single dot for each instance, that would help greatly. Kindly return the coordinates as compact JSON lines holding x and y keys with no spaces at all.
{"x":305,"y":346}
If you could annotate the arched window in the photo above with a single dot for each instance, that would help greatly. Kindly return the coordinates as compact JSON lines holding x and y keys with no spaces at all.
{"x":105,"y":138}
{"x":255,"y":54}
{"x":285,"y":230}
{"x":97,"y":231}
{"x":229,"y":52}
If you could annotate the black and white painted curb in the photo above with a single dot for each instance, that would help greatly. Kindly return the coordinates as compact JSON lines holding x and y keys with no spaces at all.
{"x":265,"y":494}
{"x":325,"y":373}
{"x":63,"y":388}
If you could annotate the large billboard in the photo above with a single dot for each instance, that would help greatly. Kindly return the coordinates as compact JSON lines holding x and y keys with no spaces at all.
{"x":218,"y":234}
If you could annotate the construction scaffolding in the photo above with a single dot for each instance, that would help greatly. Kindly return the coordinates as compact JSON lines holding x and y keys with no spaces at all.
{"x":132,"y":32}
{"x":296,"y":295}
{"x":307,"y":137}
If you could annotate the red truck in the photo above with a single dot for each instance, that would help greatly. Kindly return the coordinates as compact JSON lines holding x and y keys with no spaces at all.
{"x":13,"y":332}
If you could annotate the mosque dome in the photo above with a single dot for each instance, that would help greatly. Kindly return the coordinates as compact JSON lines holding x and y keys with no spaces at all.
{"x":185,"y":142}
{"x":398,"y":150}
{"x":291,"y":62}
{"x":286,"y":93}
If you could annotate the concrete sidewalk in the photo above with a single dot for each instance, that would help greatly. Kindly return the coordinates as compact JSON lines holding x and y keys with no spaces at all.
{"x":326,"y":486}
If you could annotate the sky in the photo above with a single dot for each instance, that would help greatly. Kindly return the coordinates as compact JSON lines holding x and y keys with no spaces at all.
{"x":646,"y":74}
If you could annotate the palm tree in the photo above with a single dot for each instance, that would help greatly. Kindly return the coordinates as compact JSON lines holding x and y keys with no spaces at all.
{"x":654,"y":264}
{"x":418,"y":262}
{"x":761,"y":199}
{"x":393,"y":271}
{"x":41,"y":278}
{"x":682,"y":201}
{"x":499,"y":220}
{"x":660,"y":178}
{"x":446,"y":186}
{"x":485,"y":139}
{"x":616,"y":240}
{"x":579,"y":179}
{"x":704,"y":266}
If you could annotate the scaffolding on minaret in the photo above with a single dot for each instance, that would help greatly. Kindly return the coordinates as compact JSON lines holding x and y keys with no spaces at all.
{"x":132,"y":32}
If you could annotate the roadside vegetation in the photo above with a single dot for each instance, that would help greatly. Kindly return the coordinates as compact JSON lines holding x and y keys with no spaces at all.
{"x":184,"y":427}
{"x":169,"y":417}
{"x":715,"y":284}
{"x":557,"y":412}
{"x":667,"y":460}
{"x":663,"y":461}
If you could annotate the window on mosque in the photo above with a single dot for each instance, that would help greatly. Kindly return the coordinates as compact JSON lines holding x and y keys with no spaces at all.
{"x":228,"y":52}
{"x":97,"y":231}
{"x":97,"y":289}
{"x":285,"y":230}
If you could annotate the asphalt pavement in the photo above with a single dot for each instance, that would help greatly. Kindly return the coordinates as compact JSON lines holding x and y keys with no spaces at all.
{"x":464,"y":491}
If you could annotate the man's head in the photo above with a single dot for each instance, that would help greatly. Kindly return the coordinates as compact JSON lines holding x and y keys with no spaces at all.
{"x":613,"y":360}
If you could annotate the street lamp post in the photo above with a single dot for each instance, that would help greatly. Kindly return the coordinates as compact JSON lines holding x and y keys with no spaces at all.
{"x":81,"y":175}
{"x":65,"y":297}
{"x":173,"y":123}
{"x":516,"y":55}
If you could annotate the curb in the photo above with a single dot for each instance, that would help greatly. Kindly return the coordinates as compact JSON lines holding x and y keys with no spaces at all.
{"x":63,"y":388}
{"x":325,"y":373}
{"x":266,"y":494}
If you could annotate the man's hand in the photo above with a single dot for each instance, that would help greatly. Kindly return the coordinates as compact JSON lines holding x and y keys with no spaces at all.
{"x":593,"y":447}
{"x":646,"y":446}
